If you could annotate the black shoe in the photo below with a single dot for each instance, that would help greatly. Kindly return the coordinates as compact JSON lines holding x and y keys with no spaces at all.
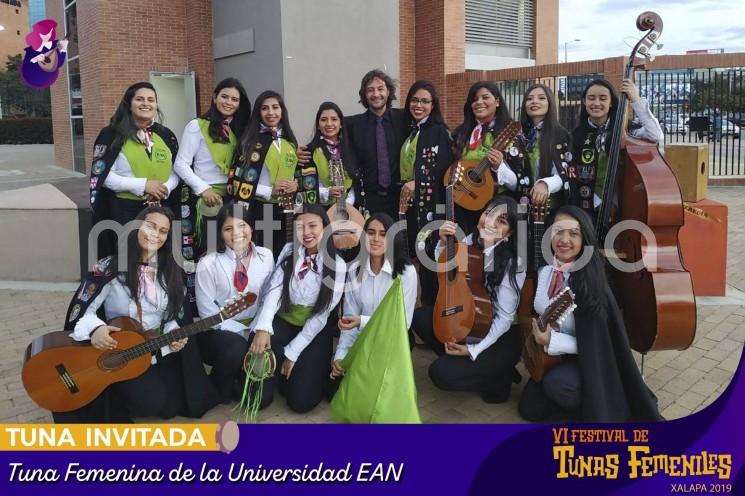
{"x":494,"y":398}
{"x":516,"y":377}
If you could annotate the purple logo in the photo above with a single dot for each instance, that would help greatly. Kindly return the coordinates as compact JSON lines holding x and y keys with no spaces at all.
{"x":43,"y":56}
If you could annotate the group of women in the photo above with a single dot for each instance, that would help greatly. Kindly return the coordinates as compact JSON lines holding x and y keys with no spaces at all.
{"x":238,"y":164}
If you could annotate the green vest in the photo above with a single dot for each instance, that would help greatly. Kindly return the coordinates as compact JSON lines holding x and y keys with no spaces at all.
{"x":480,"y":151}
{"x":408,"y":158}
{"x":157,"y":167}
{"x":296,"y":315}
{"x":324,"y":173}
{"x":221,"y":153}
{"x":280,"y":164}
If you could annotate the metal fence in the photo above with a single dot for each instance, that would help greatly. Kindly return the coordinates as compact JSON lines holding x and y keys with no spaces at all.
{"x":692,"y":105}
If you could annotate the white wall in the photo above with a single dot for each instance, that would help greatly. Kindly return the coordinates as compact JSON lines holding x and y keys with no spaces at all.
{"x":328,"y":46}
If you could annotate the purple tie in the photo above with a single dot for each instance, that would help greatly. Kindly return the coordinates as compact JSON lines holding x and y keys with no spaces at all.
{"x":384,"y":170}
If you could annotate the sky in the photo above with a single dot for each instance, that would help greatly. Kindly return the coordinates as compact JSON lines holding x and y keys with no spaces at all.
{"x":607,"y":28}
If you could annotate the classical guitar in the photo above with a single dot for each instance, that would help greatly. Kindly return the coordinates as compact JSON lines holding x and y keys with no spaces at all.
{"x":475,"y":187}
{"x":454,"y":312}
{"x":289,"y":208}
{"x":61,"y":374}
{"x":537,"y":361}
{"x":346,"y":221}
{"x":538,"y":214}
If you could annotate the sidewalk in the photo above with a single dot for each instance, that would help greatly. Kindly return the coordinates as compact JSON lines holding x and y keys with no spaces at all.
{"x":685,"y":382}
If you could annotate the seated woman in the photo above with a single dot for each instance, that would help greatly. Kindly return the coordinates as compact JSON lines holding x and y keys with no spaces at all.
{"x":597,"y":378}
{"x":148,"y":287}
{"x":207,"y":148}
{"x":369,"y":282}
{"x":305,"y":286}
{"x":488,"y":366}
{"x":132,"y":162}
{"x":237,"y":266}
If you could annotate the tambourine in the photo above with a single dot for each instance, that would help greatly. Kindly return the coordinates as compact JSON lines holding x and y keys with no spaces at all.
{"x":261,"y":366}
{"x":227,"y":436}
{"x":211,"y":211}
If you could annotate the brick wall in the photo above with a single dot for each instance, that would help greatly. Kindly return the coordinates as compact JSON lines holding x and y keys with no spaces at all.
{"x":120,"y":44}
{"x":407,"y":46}
{"x":546,"y":45}
{"x":11,"y":41}
{"x":60,"y":99}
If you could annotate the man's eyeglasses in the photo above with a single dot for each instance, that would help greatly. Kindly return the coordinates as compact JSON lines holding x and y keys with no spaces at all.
{"x":423,"y":101}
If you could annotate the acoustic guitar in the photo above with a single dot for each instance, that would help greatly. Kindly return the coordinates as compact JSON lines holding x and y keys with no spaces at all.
{"x":537,"y":361}
{"x":537,"y":228}
{"x":346,"y":221}
{"x":289,"y":208}
{"x":475,"y":187}
{"x":61,"y":374}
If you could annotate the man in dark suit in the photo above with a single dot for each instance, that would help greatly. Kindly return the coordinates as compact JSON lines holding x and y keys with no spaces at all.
{"x":376,"y":137}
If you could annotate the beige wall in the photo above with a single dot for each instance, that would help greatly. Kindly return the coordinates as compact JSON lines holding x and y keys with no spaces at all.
{"x":12,"y":38}
{"x":546,"y":32}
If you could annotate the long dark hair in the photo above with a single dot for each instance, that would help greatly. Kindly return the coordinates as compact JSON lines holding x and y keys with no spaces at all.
{"x":170,"y":276}
{"x":251,"y":136}
{"x":240,"y":118}
{"x":551,"y":134}
{"x":583,"y":115}
{"x":505,"y":253}
{"x":239,"y":210}
{"x":122,"y":122}
{"x":396,"y":247}
{"x":348,"y":157}
{"x":325,"y":294}
{"x":463,"y":132}
{"x":389,"y":82}
{"x":436,"y":115}
{"x":589,"y":282}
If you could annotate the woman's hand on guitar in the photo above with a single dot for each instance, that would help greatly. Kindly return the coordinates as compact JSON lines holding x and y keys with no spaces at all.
{"x":456,"y":349}
{"x":177,"y":346}
{"x":539,"y":193}
{"x":495,"y":158}
{"x":336,"y":191}
{"x":349,"y":322}
{"x":286,"y":369}
{"x":211,"y":198}
{"x":541,"y":337}
{"x":447,"y":229}
{"x":262,"y":341}
{"x":336,"y":369}
{"x":101,"y":340}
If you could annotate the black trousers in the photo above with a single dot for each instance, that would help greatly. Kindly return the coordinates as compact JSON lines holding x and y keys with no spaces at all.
{"x":491,"y":374}
{"x":224,"y":351}
{"x":152,"y":394}
{"x":374,"y":202}
{"x":310,"y":375}
{"x":264,"y":236}
{"x":560,"y":389}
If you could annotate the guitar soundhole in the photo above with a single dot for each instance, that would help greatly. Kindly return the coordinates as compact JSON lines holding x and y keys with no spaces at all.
{"x":342,"y":214}
{"x":112,"y":360}
{"x":474,"y":177}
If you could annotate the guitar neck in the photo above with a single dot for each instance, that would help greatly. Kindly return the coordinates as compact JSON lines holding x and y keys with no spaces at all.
{"x":539,"y":228}
{"x":289,"y":226}
{"x":450,"y":215}
{"x":155,"y":344}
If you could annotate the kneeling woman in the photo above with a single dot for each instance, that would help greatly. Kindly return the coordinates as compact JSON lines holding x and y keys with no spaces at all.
{"x":486,"y":367}
{"x":597,"y":377}
{"x":368,"y":285}
{"x":237,"y":266}
{"x":149,"y":289}
{"x":305,"y":286}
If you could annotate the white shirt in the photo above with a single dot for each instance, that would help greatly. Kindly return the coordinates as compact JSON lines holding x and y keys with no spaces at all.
{"x":650,"y":130}
{"x":214,"y":283}
{"x":302,"y":292}
{"x":363,"y":297}
{"x":122,"y":178}
{"x":117,"y":302}
{"x":503,"y":308}
{"x":193,"y":148}
{"x":563,"y":340}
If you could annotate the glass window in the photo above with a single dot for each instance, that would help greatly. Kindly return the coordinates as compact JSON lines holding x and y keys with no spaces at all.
{"x":78,"y":145}
{"x":76,"y":94}
{"x":71,"y":24}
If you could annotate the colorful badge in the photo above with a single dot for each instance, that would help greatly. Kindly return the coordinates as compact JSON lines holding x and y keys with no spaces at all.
{"x":255,"y":156}
{"x":585,"y":192}
{"x":187,"y":227}
{"x":98,"y":167}
{"x":309,"y":182}
{"x":98,"y":151}
{"x":185,"y":211}
{"x":74,"y":313}
{"x":188,"y":252}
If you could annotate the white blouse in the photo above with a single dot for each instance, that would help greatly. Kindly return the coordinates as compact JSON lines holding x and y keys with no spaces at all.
{"x":214,"y":283}
{"x":117,"y":302}
{"x":192,"y":148}
{"x":363,"y":297}
{"x":302,"y":292}
{"x":563,"y":340}
{"x":503,"y":308}
{"x":122,"y":178}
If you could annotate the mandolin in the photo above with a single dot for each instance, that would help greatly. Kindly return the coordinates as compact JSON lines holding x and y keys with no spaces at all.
{"x":346,"y":221}
{"x":61,"y":374}
{"x":537,"y":361}
{"x":474,"y":188}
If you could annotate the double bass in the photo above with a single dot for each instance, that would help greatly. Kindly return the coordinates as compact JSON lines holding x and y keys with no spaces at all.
{"x":656,"y":295}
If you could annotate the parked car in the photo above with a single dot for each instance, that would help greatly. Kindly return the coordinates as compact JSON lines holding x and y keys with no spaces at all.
{"x":673,"y":124}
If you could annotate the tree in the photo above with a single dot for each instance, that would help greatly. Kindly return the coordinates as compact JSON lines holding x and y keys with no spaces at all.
{"x":16,"y":98}
{"x":723,"y":91}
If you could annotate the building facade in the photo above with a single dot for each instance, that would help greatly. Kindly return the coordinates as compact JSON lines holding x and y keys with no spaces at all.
{"x":308,"y":50}
{"x":13,"y":28}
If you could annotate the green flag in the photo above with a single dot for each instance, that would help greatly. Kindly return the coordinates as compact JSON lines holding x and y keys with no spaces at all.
{"x":378,"y":386}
